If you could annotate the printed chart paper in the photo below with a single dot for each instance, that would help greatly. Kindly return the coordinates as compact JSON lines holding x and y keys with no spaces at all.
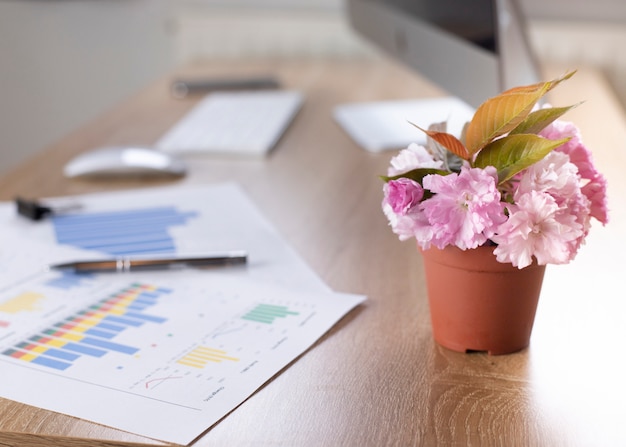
{"x":166,"y":220}
{"x":127,"y":349}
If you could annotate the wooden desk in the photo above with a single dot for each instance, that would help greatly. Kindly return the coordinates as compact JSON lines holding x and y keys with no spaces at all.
{"x":377,"y":378}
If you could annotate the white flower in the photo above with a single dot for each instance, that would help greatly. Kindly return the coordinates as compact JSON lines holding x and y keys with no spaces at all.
{"x":413,"y":157}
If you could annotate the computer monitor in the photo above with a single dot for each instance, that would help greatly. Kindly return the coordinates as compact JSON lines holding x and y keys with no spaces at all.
{"x":474,"y":49}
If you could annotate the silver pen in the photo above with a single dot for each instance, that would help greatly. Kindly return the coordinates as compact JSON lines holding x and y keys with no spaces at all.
{"x":127,"y":264}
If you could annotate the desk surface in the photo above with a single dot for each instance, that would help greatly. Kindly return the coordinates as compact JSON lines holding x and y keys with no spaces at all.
{"x":377,"y":378}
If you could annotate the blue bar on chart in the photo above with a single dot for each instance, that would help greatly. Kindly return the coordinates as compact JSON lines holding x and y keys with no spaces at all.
{"x":91,"y":332}
{"x":73,"y":347}
{"x":68,"y":280}
{"x":267,"y":313}
{"x":37,"y":359}
{"x":119,"y":233}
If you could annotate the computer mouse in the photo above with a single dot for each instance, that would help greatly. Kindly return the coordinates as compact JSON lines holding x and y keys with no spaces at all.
{"x":124,"y":161}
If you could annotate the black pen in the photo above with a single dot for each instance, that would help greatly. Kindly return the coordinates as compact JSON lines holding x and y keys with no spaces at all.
{"x":127,"y":264}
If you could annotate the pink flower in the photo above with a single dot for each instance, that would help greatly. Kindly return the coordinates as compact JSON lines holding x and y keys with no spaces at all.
{"x":403,"y":194}
{"x":553,"y":174}
{"x":557,"y":176}
{"x":465,"y":209}
{"x":400,"y":201}
{"x":540,"y":215}
{"x":537,"y":227}
{"x":595,"y":191}
{"x":582,"y":158}
{"x":413,"y":157}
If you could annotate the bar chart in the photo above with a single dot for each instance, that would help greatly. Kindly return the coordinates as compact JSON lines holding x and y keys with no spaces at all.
{"x":91,"y":332}
{"x":23,"y":302}
{"x":134,"y":231}
{"x":203,"y":355}
{"x":69,"y":280}
{"x":267,"y":313}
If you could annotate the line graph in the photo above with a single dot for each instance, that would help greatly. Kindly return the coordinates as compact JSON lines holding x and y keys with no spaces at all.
{"x":153,"y":383}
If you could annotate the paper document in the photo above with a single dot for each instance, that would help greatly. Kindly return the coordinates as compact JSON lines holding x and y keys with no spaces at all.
{"x":167,"y":220}
{"x":183,"y":346}
{"x":126,"y":350}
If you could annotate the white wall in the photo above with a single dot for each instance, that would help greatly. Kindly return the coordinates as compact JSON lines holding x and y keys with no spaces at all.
{"x":213,"y":32}
{"x":576,"y":10}
{"x":64,"y":62}
{"x":319,"y":5}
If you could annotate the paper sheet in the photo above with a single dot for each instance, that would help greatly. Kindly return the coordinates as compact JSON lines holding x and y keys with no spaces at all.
{"x":127,"y":350}
{"x":185,"y":346}
{"x":184,"y":220}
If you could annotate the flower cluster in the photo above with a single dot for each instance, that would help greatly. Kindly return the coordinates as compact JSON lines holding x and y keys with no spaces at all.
{"x":519,"y":179}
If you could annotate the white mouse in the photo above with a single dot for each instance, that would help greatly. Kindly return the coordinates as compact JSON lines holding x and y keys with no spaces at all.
{"x":124,"y":161}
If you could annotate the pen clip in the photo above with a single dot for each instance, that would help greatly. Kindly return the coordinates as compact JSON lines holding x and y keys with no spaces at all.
{"x":35,"y":210}
{"x":32,"y":209}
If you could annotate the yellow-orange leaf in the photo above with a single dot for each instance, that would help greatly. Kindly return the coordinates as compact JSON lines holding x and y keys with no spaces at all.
{"x":501,"y":114}
{"x":449,"y":141}
{"x":550,"y":84}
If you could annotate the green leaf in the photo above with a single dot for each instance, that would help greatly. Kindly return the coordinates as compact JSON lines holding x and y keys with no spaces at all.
{"x":540,"y":119}
{"x":503,"y":113}
{"x":415,"y":175}
{"x":514,"y":153}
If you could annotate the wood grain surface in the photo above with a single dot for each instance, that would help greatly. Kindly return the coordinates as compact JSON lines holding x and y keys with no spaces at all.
{"x":376,"y":378}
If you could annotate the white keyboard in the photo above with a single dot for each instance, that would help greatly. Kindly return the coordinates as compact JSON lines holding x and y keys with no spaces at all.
{"x":242,"y":122}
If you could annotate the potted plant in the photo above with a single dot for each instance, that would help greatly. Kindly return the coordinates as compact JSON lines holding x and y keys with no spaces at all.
{"x":489,"y":209}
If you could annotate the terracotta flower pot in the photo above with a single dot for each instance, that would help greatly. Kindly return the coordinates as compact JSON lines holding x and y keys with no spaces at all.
{"x":478,"y":303}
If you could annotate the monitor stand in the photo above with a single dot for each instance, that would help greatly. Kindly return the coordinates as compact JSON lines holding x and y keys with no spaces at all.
{"x":385,"y":125}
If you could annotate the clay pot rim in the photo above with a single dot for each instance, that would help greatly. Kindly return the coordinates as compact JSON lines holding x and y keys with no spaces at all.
{"x":453,"y":256}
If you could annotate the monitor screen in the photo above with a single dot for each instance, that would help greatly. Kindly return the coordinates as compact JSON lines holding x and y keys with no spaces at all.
{"x":474,"y":49}
{"x":472,"y":21}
